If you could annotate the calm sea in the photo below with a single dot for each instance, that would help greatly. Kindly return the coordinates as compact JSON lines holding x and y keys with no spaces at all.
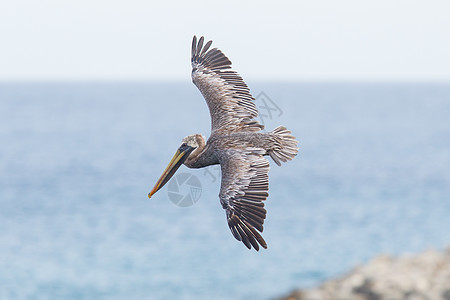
{"x":78,"y":159}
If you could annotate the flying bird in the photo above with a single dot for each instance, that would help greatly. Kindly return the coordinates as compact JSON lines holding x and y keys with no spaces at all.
{"x":237,"y":143}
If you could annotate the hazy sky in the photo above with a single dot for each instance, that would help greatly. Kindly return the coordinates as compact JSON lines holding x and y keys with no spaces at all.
{"x":301,"y":40}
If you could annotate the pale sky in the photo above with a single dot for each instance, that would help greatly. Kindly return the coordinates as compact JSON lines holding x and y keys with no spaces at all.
{"x":266,"y":40}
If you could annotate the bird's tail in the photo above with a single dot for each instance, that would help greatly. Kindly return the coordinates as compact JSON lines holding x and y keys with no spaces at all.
{"x":286,"y":146}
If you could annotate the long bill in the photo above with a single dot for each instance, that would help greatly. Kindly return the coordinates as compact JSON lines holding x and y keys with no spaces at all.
{"x":177,"y":160}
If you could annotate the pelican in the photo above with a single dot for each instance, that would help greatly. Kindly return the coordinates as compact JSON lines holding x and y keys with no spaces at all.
{"x":237,"y":143}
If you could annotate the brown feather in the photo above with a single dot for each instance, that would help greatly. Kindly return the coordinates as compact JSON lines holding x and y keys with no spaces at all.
{"x":223,"y":88}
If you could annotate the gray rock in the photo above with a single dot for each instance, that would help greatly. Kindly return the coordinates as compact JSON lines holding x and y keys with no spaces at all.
{"x":424,"y":276}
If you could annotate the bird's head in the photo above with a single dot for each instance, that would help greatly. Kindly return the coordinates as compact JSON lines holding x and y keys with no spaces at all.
{"x":193,"y":140}
{"x":189,"y":148}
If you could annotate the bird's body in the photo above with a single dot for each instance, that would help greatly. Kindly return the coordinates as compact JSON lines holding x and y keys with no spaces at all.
{"x":219,"y":143}
{"x":237,"y":143}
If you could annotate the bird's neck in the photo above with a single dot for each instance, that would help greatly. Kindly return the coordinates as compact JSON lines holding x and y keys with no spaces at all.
{"x":201,"y":157}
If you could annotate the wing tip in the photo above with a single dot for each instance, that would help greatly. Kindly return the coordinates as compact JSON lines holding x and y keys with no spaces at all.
{"x":211,"y":58}
{"x":246,"y":233}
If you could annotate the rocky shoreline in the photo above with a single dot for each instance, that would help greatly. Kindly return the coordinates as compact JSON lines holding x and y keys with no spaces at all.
{"x":424,"y":276}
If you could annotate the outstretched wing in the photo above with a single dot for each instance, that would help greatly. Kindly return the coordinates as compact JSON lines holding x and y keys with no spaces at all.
{"x":245,"y":185}
{"x":230,"y":103}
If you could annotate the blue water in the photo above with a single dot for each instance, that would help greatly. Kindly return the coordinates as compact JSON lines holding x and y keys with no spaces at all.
{"x":78,"y":159}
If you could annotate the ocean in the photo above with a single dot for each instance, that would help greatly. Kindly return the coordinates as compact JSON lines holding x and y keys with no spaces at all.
{"x":78,"y":159}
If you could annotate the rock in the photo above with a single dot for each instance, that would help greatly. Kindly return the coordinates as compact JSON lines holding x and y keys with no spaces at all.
{"x":425,"y":276}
